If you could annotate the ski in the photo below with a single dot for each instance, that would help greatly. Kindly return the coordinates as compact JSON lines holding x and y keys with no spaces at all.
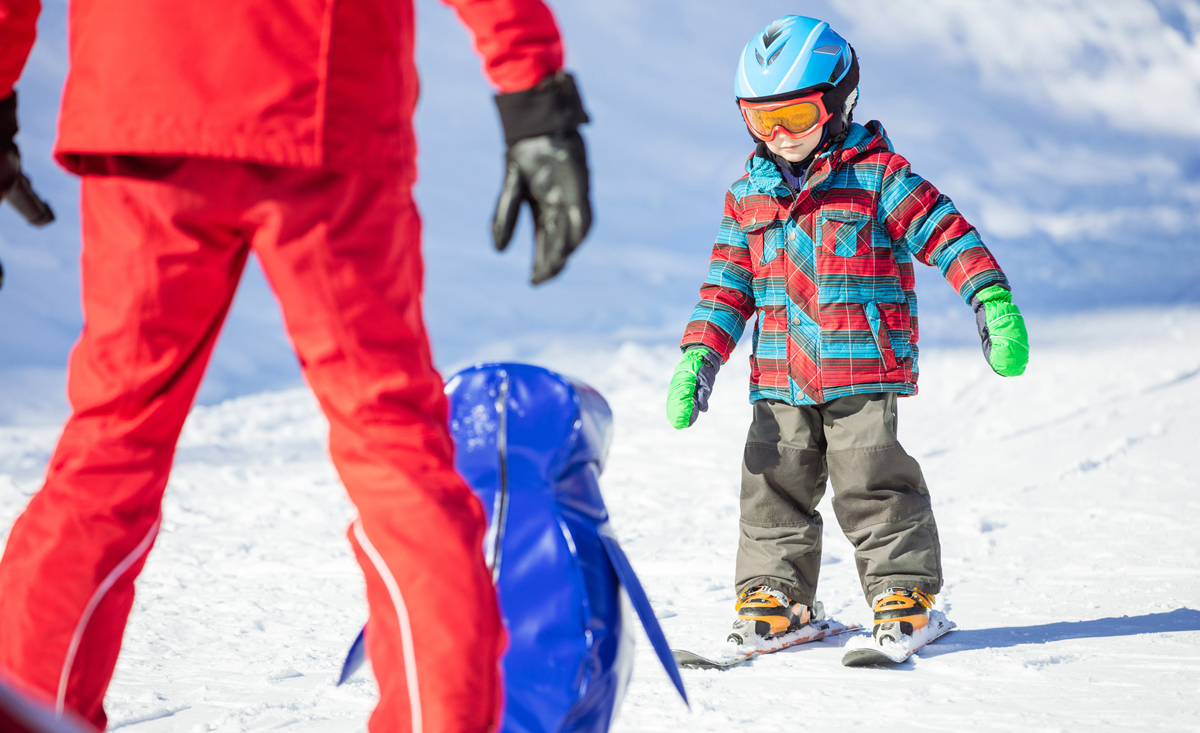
{"x":745,"y":652}
{"x":865,"y":652}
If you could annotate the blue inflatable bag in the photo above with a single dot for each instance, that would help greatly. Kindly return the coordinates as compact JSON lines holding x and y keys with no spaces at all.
{"x":532,"y":444}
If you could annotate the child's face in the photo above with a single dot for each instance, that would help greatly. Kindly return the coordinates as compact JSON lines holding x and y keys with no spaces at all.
{"x":794,"y":149}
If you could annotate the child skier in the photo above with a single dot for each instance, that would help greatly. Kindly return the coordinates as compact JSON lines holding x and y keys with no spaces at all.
{"x":817,"y":238}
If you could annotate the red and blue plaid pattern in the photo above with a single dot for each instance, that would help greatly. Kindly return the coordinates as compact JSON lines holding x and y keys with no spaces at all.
{"x":829,"y":271}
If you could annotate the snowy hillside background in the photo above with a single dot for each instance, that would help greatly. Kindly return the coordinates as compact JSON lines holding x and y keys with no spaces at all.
{"x":1067,"y":131}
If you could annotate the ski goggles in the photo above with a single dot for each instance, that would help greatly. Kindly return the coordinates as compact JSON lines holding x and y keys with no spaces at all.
{"x":798,"y":116}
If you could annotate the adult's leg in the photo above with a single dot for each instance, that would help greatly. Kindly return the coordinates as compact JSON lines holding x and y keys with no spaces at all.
{"x":157,"y":281}
{"x":879,"y":496}
{"x":343,"y":256}
{"x":783,"y":480}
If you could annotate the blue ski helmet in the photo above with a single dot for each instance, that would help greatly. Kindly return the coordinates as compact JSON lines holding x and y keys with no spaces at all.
{"x":794,"y":56}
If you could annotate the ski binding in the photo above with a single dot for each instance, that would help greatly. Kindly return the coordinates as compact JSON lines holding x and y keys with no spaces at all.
{"x":866,"y":652}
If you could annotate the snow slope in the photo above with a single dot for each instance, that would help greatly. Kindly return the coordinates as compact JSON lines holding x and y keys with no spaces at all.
{"x":1066,"y":130}
{"x":1066,"y":500}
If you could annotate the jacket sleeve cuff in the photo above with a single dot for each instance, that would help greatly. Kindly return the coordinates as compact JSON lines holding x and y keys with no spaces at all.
{"x":717,"y":344}
{"x":710,"y":354}
{"x":973,"y":299}
{"x":552,"y":105}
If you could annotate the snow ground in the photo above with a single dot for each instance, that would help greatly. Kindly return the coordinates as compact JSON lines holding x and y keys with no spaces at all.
{"x":1075,"y":608}
{"x":1066,"y":499}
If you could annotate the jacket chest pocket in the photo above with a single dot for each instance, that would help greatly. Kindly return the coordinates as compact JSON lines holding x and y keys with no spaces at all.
{"x":764,"y":238}
{"x":844,"y":233}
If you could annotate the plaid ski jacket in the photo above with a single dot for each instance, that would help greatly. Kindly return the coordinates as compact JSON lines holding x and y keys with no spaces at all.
{"x":829,"y":271}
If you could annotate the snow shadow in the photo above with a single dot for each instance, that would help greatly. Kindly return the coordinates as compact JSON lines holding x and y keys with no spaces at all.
{"x":1181,"y":619}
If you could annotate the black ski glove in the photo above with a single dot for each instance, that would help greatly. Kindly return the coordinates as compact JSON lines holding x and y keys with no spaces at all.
{"x":14,"y":186}
{"x":546,"y":165}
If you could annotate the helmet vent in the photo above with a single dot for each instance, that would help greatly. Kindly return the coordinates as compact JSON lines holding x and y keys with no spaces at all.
{"x":791,"y":55}
{"x":770,"y":59}
{"x":837,"y":70}
{"x":772,"y":34}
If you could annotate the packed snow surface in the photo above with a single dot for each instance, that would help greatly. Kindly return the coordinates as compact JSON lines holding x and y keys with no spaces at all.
{"x":1066,"y":499}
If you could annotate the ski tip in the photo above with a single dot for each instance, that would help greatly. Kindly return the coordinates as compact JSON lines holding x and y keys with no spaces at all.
{"x":868,"y":658}
{"x":872,"y":655}
{"x":691,"y":660}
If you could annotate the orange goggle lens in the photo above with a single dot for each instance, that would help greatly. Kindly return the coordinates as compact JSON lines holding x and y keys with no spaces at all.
{"x":798,"y":119}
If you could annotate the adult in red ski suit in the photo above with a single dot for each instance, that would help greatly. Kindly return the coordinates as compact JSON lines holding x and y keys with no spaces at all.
{"x":205,"y":130}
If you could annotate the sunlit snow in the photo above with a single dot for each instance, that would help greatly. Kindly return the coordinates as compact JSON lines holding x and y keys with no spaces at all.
{"x":1067,"y":499}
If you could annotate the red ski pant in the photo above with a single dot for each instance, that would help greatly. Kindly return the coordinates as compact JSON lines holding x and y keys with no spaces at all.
{"x":165,"y":241}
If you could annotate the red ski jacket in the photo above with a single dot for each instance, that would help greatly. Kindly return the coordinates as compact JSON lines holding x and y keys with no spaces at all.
{"x":298,"y":83}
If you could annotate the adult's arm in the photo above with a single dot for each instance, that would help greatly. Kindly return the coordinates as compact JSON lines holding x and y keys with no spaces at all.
{"x":540,"y":111}
{"x":18,"y":29}
{"x":518,"y":40}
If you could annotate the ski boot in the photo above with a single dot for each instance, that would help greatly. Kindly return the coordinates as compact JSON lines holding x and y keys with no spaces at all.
{"x":764,"y":612}
{"x":899,"y":612}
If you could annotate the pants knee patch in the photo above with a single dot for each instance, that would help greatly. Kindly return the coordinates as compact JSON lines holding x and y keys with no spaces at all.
{"x":876,"y":485}
{"x":781,"y":486}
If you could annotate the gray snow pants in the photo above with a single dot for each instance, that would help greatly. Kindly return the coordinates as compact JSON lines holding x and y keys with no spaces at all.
{"x":879,"y":497}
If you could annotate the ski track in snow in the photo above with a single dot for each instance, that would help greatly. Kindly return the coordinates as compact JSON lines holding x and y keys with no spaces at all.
{"x":1066,"y":501}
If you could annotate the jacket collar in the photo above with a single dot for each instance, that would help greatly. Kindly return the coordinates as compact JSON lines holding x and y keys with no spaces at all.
{"x":860,"y":139}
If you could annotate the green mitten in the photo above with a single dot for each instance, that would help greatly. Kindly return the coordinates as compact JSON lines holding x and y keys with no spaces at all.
{"x":1002,"y":330}
{"x":691,"y":385}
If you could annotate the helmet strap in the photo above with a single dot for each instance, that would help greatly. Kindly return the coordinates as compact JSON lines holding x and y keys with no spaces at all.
{"x":842,"y":99}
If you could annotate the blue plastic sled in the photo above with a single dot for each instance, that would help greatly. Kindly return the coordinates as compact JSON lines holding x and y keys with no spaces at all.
{"x":532,"y":444}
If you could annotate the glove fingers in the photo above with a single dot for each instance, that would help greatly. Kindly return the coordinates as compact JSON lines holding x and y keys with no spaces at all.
{"x":10,"y":166}
{"x":558,"y":182}
{"x":19,"y":192}
{"x":575,"y":190}
{"x":560,"y":229}
{"x":706,"y":376}
{"x":687,"y":395}
{"x":681,"y":406}
{"x":508,"y":206}
{"x":1008,"y":340}
{"x":1009,"y":358}
{"x":553,"y":242}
